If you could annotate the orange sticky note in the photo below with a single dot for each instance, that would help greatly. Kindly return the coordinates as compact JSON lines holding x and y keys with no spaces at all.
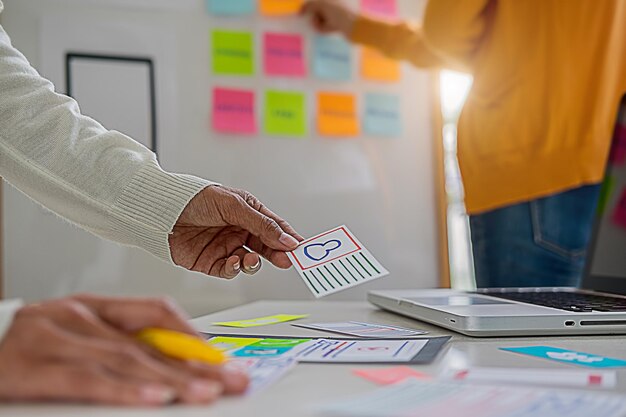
{"x":337,"y":115}
{"x":375,"y":66}
{"x":280,"y":7}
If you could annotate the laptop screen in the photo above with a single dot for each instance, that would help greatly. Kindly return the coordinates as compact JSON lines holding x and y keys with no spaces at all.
{"x":606,"y":264}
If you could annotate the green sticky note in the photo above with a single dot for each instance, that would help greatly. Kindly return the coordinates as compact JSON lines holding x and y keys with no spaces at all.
{"x":278,"y":343}
{"x":285,"y":113}
{"x":261,"y":321}
{"x":233,"y":52}
{"x":231,"y":343}
{"x":605,"y":193}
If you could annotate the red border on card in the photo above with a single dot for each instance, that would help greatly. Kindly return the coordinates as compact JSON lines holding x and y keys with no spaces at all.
{"x":329,"y":260}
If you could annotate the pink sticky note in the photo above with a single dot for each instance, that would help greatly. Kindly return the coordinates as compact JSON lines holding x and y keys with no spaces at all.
{"x":284,"y":55}
{"x":619,"y":216}
{"x":618,"y":154}
{"x":388,"y":376}
{"x":380,"y":8}
{"x":233,"y":111}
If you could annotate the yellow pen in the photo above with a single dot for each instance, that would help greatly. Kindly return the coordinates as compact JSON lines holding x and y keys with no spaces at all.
{"x":181,"y":346}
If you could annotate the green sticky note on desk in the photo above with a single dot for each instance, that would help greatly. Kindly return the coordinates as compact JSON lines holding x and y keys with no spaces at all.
{"x":285,"y":113}
{"x":261,"y":321}
{"x":232,"y":52}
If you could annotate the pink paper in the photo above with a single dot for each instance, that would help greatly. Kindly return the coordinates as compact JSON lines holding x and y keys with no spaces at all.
{"x":233,"y":111}
{"x":284,"y":55}
{"x":380,"y":8}
{"x":618,"y":155}
{"x":388,"y":376}
{"x":619,"y":216}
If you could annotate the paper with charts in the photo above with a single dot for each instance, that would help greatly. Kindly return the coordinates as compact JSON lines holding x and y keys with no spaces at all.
{"x":334,"y":261}
{"x":415,"y":398}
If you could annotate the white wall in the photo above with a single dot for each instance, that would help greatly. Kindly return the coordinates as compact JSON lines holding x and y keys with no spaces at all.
{"x":381,"y":188}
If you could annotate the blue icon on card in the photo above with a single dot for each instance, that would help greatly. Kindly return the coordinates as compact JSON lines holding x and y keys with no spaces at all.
{"x":320,"y":251}
{"x":568,"y":356}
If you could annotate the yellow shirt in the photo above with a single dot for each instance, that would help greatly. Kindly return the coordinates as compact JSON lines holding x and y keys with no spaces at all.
{"x":548,"y":79}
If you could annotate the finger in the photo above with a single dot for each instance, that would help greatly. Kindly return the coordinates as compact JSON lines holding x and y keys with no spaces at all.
{"x":234,"y":381}
{"x":277,"y":258}
{"x":72,"y":382}
{"x":281,"y":222}
{"x":251,"y":263}
{"x":227,"y":268}
{"x":134,"y":314}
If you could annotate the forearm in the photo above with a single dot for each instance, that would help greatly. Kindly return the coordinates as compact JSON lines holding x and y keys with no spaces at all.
{"x":100,"y":180}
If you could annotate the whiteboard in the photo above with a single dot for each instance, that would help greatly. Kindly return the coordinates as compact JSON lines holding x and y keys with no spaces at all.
{"x":382,"y":188}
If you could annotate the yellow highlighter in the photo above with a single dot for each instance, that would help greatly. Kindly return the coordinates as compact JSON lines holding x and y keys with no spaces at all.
{"x":181,"y":346}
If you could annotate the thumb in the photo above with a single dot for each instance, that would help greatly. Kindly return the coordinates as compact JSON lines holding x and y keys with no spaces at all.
{"x":265,"y":228}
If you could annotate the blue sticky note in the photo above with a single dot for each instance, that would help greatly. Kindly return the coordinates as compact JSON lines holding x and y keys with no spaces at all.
{"x":382,"y":115}
{"x":230,"y":7}
{"x":568,"y":356}
{"x":332,"y":58}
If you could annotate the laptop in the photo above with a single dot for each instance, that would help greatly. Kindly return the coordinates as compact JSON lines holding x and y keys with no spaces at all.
{"x":598,"y":307}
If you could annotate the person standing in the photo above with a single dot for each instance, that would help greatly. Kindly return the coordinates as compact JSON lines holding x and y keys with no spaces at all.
{"x":534,"y":135}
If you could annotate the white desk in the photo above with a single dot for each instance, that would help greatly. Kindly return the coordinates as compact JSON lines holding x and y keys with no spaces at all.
{"x":310,"y":384}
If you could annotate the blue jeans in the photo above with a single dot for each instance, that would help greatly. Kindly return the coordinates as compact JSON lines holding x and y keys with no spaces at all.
{"x":541,"y":243}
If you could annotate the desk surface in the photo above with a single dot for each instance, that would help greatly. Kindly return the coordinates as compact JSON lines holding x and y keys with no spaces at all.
{"x":311,"y":384}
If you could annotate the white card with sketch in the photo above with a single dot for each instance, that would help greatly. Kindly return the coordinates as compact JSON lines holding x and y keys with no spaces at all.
{"x":334,"y":261}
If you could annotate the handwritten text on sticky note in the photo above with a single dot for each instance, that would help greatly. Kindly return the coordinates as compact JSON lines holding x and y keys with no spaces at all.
{"x":382,"y":115}
{"x":377,"y":67}
{"x":233,"y":111}
{"x":336,"y":114}
{"x":232,"y":53}
{"x":280,"y":7}
{"x":285,"y":113}
{"x":284,"y":55}
{"x":332,"y":58}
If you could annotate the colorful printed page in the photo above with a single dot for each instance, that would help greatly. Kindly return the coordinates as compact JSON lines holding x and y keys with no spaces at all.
{"x":261,"y":321}
{"x":233,"y":111}
{"x":233,"y":53}
{"x":334,"y":261}
{"x":284,"y":55}
{"x":415,"y":398}
{"x":382,"y":115}
{"x":336,"y":114}
{"x":253,"y":347}
{"x":332,"y":58}
{"x":230,"y":7}
{"x":285,"y":113}
{"x":377,"y":67}
{"x":280,"y":7}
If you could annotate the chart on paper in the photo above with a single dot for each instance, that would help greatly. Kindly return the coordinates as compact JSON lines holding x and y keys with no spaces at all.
{"x":334,"y":261}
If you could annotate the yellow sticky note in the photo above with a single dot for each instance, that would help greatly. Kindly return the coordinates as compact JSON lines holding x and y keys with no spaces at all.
{"x":280,"y":7}
{"x":375,"y":66}
{"x":226,"y":343}
{"x":261,"y":321}
{"x":337,"y":115}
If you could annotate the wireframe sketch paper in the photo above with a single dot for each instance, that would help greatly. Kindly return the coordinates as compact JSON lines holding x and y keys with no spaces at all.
{"x":359,"y":329}
{"x":334,"y":261}
{"x":415,"y":398}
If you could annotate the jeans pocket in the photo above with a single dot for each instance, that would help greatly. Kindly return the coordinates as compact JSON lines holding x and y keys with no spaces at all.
{"x":562,"y":223}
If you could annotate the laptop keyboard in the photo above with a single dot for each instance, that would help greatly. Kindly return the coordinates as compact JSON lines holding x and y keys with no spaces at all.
{"x":563,"y":300}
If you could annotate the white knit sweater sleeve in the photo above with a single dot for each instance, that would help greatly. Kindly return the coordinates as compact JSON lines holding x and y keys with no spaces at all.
{"x":99,"y":179}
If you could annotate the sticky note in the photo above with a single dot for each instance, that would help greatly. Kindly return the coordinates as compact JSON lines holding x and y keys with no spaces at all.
{"x":261,"y":321}
{"x":233,"y":52}
{"x":269,"y":348}
{"x":231,"y":343}
{"x":568,"y":356}
{"x":233,"y":111}
{"x":619,"y":215}
{"x":334,"y":261}
{"x":382,"y":115}
{"x":388,"y":376}
{"x":608,"y":186}
{"x":336,"y":114}
{"x":377,"y":67}
{"x":284,"y":55}
{"x":230,"y":7}
{"x":380,"y":8}
{"x":285,"y":113}
{"x":280,"y":7}
{"x":618,"y":153}
{"x":332,"y":58}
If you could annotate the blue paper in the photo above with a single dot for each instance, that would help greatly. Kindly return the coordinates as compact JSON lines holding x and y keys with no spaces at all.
{"x":568,"y":356}
{"x":230,"y":7}
{"x":382,"y":115}
{"x":332,"y":58}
